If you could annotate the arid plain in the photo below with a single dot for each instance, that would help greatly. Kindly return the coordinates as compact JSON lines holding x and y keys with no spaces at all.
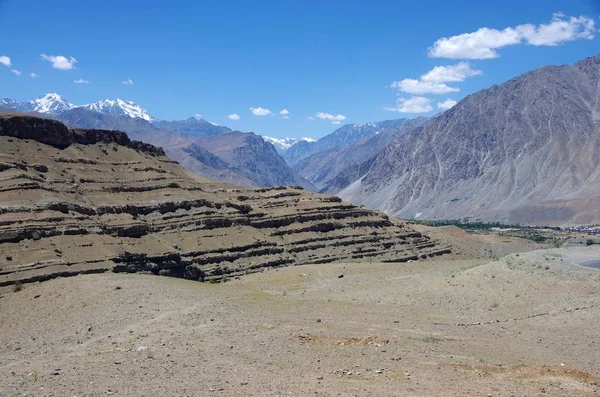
{"x":526,"y":324}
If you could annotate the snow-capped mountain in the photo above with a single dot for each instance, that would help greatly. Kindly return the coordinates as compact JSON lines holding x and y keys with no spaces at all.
{"x":49,"y":104}
{"x":119,"y":107}
{"x":283,"y":144}
{"x":54,"y":104}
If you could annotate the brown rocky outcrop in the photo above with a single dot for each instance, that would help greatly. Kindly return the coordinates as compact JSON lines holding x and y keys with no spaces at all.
{"x":84,"y":201}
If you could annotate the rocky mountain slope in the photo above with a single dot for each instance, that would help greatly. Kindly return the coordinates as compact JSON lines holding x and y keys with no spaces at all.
{"x":245,"y":158}
{"x":85,"y":201}
{"x":526,"y":151}
{"x":191,"y":127}
{"x":344,"y":136}
{"x":323,"y":167}
{"x":239,"y":158}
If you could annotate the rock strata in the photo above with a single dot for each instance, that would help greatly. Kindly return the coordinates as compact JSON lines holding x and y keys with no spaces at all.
{"x":84,"y":201}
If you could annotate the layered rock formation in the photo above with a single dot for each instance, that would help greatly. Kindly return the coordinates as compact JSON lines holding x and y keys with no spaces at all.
{"x":82,"y":201}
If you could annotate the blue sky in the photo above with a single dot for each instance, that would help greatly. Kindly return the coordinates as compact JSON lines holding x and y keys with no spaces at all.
{"x":344,"y":61}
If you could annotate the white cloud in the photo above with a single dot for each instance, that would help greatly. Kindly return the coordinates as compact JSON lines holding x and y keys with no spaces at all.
{"x":331,"y":117}
{"x":60,"y":62}
{"x":447,"y":104}
{"x":284,"y":112}
{"x":433,"y":82}
{"x":415,"y":104}
{"x":484,"y":43}
{"x":260,"y":111}
{"x":197,"y":115}
{"x":285,"y":117}
{"x":15,"y":71}
{"x":32,"y":75}
{"x":414,"y":86}
{"x":4,"y":60}
{"x":336,"y":122}
{"x":311,"y":118}
{"x":451,"y":74}
{"x":128,"y":82}
{"x":233,"y":117}
{"x":82,"y":81}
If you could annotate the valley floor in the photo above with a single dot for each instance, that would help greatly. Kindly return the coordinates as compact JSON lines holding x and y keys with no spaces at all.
{"x":527,"y":324}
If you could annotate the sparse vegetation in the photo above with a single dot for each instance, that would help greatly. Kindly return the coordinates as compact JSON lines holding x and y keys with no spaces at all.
{"x":463,"y":224}
{"x":18,"y":286}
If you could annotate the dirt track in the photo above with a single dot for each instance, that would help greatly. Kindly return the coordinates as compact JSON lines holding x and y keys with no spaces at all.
{"x":381,"y":330}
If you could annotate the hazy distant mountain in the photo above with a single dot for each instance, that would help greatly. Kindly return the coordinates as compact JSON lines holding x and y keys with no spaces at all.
{"x":343,"y":136}
{"x":323,"y":167}
{"x":239,"y":158}
{"x":192,"y":127}
{"x":137,"y":128}
{"x":526,"y":151}
{"x":283,"y":144}
{"x":234,"y":157}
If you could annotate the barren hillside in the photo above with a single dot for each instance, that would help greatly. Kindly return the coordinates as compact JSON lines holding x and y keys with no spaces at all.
{"x":88,"y":201}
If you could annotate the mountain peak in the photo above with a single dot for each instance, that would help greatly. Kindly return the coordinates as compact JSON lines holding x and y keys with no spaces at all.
{"x":50,"y":103}
{"x":119,"y":107}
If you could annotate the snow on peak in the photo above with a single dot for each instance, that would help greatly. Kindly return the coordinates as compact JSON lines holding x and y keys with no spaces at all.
{"x":119,"y":107}
{"x":285,"y":143}
{"x":54,"y":104}
{"x":51,"y":104}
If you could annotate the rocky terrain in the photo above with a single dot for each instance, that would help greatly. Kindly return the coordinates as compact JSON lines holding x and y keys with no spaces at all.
{"x":526,"y":151}
{"x":524,"y":325}
{"x":88,"y":201}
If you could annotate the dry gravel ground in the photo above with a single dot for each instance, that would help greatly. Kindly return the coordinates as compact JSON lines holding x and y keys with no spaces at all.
{"x":380,"y":330}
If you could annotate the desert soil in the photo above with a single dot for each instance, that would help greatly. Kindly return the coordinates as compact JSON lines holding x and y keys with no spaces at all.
{"x":525,"y":325}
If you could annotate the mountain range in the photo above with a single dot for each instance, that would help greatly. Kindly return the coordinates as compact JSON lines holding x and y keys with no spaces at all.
{"x":344,"y":136}
{"x":325,"y":166}
{"x":526,"y":151}
{"x":208,"y":149}
{"x":53,"y":104}
{"x":242,"y":158}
